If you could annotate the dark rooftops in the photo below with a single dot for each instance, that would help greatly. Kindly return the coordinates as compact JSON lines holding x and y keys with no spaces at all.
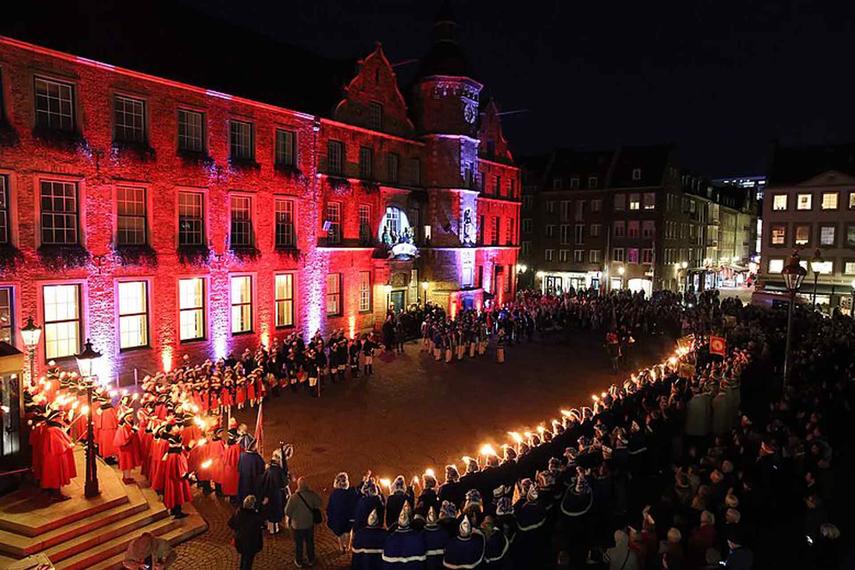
{"x":793,"y":165}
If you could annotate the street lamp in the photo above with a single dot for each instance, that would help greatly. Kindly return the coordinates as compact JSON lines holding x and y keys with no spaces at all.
{"x":31,"y":333}
{"x":425,"y":286}
{"x":816,"y":266}
{"x":793,"y":274}
{"x":85,"y":363}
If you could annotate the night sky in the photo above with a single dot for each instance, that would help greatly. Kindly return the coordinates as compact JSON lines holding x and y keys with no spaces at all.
{"x":722,"y":79}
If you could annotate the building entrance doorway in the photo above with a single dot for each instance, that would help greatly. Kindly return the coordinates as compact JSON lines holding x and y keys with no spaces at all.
{"x":397,"y":299}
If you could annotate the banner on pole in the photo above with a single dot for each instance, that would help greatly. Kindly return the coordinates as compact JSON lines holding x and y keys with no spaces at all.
{"x":718,"y":345}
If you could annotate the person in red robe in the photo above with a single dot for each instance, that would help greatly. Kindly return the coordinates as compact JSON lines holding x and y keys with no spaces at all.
{"x":176,"y":480}
{"x":37,"y":433}
{"x":144,"y":423}
{"x":230,"y":475}
{"x":215,"y":452}
{"x":109,"y":423}
{"x":57,"y":457}
{"x":158,"y":450}
{"x":128,"y":445}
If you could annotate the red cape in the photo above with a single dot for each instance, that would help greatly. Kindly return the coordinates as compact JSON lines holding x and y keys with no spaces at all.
{"x":176,"y":489}
{"x":57,"y":459}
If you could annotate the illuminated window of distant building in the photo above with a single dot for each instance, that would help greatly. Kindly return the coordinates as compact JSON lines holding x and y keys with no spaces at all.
{"x":827,"y":235}
{"x":61,"y":320}
{"x":364,"y":291}
{"x":54,"y":104}
{"x":549,"y":254}
{"x":825,"y":267}
{"x":594,"y":256}
{"x":647,"y":255}
{"x":334,"y":223}
{"x":850,"y":235}
{"x":286,"y":148}
{"x":633,"y":228}
{"x":191,"y":130}
{"x":241,"y":222}
{"x":7,"y":316}
{"x":333,"y":294}
{"x":779,"y":234}
{"x":578,"y":256}
{"x":776,"y":265}
{"x":241,"y":301}
{"x":241,"y":140}
{"x":804,"y":201}
{"x":335,"y":157}
{"x":852,"y":200}
{"x":779,"y":202}
{"x":849,"y":267}
{"x":131,"y":215}
{"x":128,"y":119}
{"x":191,"y":308}
{"x":649,"y":201}
{"x":59,"y":211}
{"x":284,"y":223}
{"x":648,"y":229}
{"x":284,"y":300}
{"x":632,"y":255}
{"x":802,"y":234}
{"x":829,"y":200}
{"x":191,"y":219}
{"x":634,"y":201}
{"x":5,"y":237}
{"x":133,"y":314}
{"x":563,"y":255}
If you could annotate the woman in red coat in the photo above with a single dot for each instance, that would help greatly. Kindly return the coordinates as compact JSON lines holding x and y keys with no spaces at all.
{"x":176,"y":479}
{"x":214,"y":453}
{"x":128,"y":445}
{"x":109,"y":423}
{"x":57,"y":457}
{"x":158,"y":450}
{"x":36,"y":439}
{"x":231,"y":456}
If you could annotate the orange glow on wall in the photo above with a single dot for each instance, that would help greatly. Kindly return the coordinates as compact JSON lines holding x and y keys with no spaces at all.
{"x":166,"y":358}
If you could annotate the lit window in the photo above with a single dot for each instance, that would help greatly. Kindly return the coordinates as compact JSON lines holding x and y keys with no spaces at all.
{"x":366,"y":163}
{"x":824,"y":267}
{"x":649,"y":201}
{"x":392,"y":162}
{"x":804,"y":201}
{"x":375,"y":116}
{"x":549,"y":254}
{"x":333,"y":223}
{"x":827,"y":235}
{"x":849,"y":268}
{"x":333,"y":294}
{"x":850,"y":235}
{"x":829,"y":200}
{"x":54,"y":105}
{"x":62,"y":320}
{"x":364,"y":291}
{"x":241,"y":222}
{"x":365,"y":223}
{"x":632,"y":255}
{"x":286,"y":148}
{"x":4,"y":209}
{"x":634,"y":201}
{"x":802,"y":234}
{"x":191,"y":308}
{"x":191,"y":219}
{"x":779,"y":234}
{"x":852,"y":200}
{"x":133,"y":314}
{"x":59,"y":212}
{"x":284,"y":300}
{"x":241,"y":141}
{"x":779,"y":202}
{"x":284,"y":223}
{"x":7,"y":316}
{"x":129,"y":119}
{"x":620,"y":202}
{"x":131,"y":216}
{"x":776,"y":265}
{"x":335,"y":157}
{"x":191,"y":130}
{"x":617,"y":254}
{"x":241,"y":289}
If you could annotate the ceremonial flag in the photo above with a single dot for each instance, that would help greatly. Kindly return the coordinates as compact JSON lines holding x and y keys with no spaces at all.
{"x":259,"y":430}
{"x":718,"y":345}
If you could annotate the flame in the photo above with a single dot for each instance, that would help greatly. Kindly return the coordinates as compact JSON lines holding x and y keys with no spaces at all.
{"x":541,"y":429}
{"x":672,"y":361}
{"x":386,"y":482}
{"x":487,"y":450}
{"x":465,"y":459}
{"x":567,"y":413}
{"x":429,"y":472}
{"x":207,"y":463}
{"x":135,"y":397}
{"x":515,"y":436}
{"x":201,"y":442}
{"x":200,"y":422}
{"x":595,"y":398}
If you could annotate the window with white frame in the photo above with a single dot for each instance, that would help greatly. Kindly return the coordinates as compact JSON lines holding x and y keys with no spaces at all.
{"x":620,"y":202}
{"x":131,"y":225}
{"x":804,"y":201}
{"x":827,"y":235}
{"x":375,"y":116}
{"x":333,"y":222}
{"x":849,"y":267}
{"x":579,"y":234}
{"x":7,"y":316}
{"x":59,"y":212}
{"x":241,"y":140}
{"x":776,"y":264}
{"x":494,"y":231}
{"x":632,"y":229}
{"x":393,"y":161}
{"x":578,"y":256}
{"x":649,"y":200}
{"x":133,"y":314}
{"x":647,"y":255}
{"x":563,"y":255}
{"x":335,"y":157}
{"x":648,"y":229}
{"x":565,"y":234}
{"x":333,"y":294}
{"x":285,"y":234}
{"x":779,"y":202}
{"x":364,"y":291}
{"x":825,"y":267}
{"x":595,"y":230}
{"x":62,"y":324}
{"x":241,"y":301}
{"x":634,"y":201}
{"x":191,"y":218}
{"x":778,"y":233}
{"x":593,"y":182}
{"x":550,"y":230}
{"x":191,"y":308}
{"x":617,"y":254}
{"x":632,"y":255}
{"x":5,"y":233}
{"x":286,"y":148}
{"x":580,"y":210}
{"x":548,"y":254}
{"x":550,"y":207}
{"x":574,"y":183}
{"x":284,"y":299}
{"x":128,"y":119}
{"x":241,"y":235}
{"x":829,"y":200}
{"x":594,"y":256}
{"x":852,"y":200}
{"x":366,"y":162}
{"x":619,"y":229}
{"x":525,"y":248}
{"x":365,"y":223}
{"x":565,"y":210}
{"x":191,"y":131}
{"x":527,"y":225}
{"x":54,"y":104}
{"x":802,"y":234}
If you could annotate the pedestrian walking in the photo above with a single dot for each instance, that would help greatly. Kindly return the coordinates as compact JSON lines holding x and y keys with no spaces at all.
{"x":302,"y":513}
{"x":248,"y":525}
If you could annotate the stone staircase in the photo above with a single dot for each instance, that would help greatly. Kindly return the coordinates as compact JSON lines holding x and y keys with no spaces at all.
{"x":87,"y":533}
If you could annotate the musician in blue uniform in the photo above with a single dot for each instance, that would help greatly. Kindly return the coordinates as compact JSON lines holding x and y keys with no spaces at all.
{"x":369,"y":500}
{"x":531,"y":542}
{"x":341,"y":509}
{"x":497,"y":546}
{"x":466,"y":550}
{"x":368,"y":543}
{"x":452,"y":490}
{"x":428,"y":499}
{"x":405,"y":546}
{"x":400,"y":495}
{"x":436,"y":538}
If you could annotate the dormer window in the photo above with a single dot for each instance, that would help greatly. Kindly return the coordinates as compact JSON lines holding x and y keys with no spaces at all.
{"x":375,"y":116}
{"x":636,"y":174}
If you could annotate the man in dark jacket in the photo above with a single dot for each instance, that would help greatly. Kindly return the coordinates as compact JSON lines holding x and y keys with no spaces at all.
{"x":248,"y":526}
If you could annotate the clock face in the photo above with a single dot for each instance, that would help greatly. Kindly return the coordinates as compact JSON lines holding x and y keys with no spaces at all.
{"x":469,"y":112}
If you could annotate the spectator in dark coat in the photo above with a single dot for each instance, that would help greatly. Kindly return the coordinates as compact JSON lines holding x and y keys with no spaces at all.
{"x":273,"y":490}
{"x":341,"y":510}
{"x":248,"y":525}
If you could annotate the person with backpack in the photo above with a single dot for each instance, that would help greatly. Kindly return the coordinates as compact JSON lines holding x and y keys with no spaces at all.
{"x":302,"y":513}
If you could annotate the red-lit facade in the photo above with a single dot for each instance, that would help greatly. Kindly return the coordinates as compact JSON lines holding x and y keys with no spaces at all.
{"x":161,"y":219}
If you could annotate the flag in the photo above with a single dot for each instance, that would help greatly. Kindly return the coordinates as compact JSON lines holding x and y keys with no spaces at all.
{"x":259,"y":430}
{"x":718,"y":345}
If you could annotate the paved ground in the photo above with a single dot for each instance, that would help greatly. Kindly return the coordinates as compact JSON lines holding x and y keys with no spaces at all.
{"x":412,"y":414}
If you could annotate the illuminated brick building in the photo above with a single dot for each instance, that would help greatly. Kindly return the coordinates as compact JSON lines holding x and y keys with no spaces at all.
{"x":160,"y":218}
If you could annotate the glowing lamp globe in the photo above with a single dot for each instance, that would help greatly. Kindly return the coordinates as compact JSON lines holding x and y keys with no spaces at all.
{"x":817,"y":263}
{"x":31,"y":333}
{"x":86,"y":359}
{"x":793,"y":273}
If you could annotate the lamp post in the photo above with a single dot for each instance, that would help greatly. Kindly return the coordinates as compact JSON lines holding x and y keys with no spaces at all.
{"x":793,"y":274}
{"x":85,"y":362}
{"x":425,"y":286}
{"x":816,"y":266}
{"x":31,"y":333}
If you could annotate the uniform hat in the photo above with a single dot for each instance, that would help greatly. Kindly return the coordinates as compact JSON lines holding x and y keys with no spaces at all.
{"x":473,"y":497}
{"x":341,"y":481}
{"x":369,"y":488}
{"x":125,"y":414}
{"x":373,"y":518}
{"x":431,"y":517}
{"x":531,"y":495}
{"x":451,"y":474}
{"x":428,"y":481}
{"x":525,"y":485}
{"x":471,"y":465}
{"x":465,"y":528}
{"x":405,"y":516}
{"x":399,"y":485}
